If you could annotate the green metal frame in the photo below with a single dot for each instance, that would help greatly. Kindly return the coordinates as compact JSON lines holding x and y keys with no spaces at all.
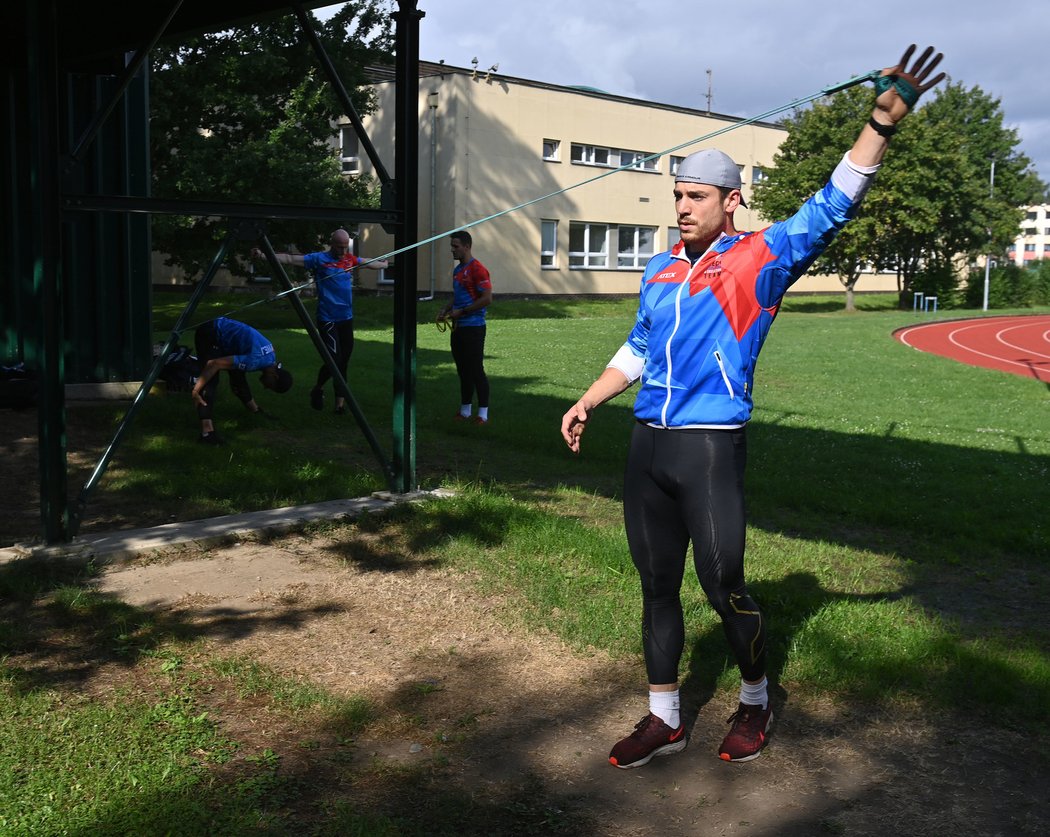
{"x":87,"y":220}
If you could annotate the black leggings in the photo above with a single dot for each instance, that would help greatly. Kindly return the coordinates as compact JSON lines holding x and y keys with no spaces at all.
{"x":339,"y":338}
{"x":206,"y":345}
{"x":682,"y":486}
{"x":468,"y":351}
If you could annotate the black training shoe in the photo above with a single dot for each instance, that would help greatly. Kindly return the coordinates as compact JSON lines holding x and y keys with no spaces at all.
{"x":317,"y":398}
{"x":747,"y":736}
{"x":212,"y":438}
{"x":651,"y":737}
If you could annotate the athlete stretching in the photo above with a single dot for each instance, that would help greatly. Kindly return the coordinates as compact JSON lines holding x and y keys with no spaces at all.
{"x":705,"y":309}
{"x":332,"y":270}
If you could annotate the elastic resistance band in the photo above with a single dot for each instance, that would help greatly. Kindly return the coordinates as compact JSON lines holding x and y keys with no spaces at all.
{"x":825,"y":91}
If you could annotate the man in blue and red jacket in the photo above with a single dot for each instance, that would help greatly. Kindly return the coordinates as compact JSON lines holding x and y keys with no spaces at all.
{"x":704,"y":312}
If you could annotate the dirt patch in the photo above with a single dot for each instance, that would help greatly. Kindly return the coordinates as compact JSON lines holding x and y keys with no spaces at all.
{"x":513,"y":715}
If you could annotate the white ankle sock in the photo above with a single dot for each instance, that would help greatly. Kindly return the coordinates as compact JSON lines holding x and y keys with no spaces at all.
{"x":665,"y":705}
{"x":464,"y":410}
{"x":754,"y":695}
{"x":483,"y":413}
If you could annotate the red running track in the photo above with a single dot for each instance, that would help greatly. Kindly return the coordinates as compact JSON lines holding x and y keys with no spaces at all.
{"x":1020,"y":345}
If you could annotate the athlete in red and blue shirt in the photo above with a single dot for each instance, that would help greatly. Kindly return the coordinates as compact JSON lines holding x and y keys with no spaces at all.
{"x":705,"y":309}
{"x":471,"y":296}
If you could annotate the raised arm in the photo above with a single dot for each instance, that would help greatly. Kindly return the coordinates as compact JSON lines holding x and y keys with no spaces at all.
{"x":897,"y":91}
{"x":283,"y":258}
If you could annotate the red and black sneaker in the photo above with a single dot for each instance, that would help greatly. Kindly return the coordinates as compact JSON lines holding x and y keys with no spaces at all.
{"x":747,"y":736}
{"x":651,"y":737}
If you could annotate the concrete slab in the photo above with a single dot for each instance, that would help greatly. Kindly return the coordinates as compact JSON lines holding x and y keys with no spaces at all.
{"x":122,"y":545}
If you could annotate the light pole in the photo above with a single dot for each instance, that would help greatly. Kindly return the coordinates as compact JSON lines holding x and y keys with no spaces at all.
{"x":988,"y":256}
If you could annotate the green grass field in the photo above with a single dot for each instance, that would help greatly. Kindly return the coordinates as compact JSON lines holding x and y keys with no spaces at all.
{"x":898,"y":541}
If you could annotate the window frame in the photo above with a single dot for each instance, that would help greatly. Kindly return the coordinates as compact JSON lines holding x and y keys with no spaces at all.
{"x":607,"y":157}
{"x":552,"y":254}
{"x":587,"y":252}
{"x":349,"y":163}
{"x":636,"y":255}
{"x":601,"y":258}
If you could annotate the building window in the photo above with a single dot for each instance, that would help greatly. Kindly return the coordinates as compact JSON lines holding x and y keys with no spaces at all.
{"x":674,"y":235}
{"x":1046,"y":231}
{"x":551,"y":149}
{"x":350,"y":153}
{"x":1029,"y":248}
{"x":1032,"y":216}
{"x":675,"y":163}
{"x":639,"y":160}
{"x":548,"y":244}
{"x":758,"y":174}
{"x":597,"y":155}
{"x":634,"y":247}
{"x":588,"y":244}
{"x":590,"y":155}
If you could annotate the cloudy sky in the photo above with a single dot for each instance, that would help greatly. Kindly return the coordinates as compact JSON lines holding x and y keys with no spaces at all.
{"x":762,"y":53}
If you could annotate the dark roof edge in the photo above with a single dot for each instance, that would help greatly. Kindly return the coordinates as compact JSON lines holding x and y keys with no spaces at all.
{"x":429,"y":69}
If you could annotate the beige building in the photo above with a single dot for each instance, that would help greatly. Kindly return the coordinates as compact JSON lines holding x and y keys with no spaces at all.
{"x":544,"y":159}
{"x":1033,"y":241}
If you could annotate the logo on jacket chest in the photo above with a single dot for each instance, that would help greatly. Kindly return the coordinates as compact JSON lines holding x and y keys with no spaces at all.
{"x":706,"y":276}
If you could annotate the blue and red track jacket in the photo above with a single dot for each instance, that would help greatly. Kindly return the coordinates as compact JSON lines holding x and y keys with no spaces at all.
{"x":335,"y":284}
{"x":700,"y":327}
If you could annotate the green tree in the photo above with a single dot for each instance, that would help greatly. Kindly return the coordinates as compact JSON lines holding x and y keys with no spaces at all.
{"x":247,"y":114}
{"x":930,"y":211}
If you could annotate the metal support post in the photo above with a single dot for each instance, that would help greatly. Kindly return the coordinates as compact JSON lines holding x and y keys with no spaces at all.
{"x":406,"y":175}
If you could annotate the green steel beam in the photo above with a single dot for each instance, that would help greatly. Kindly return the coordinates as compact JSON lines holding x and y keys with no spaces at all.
{"x":406,"y":174}
{"x":46,"y":234}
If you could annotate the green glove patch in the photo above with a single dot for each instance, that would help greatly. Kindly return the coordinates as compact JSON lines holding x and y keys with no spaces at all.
{"x":909,"y":95}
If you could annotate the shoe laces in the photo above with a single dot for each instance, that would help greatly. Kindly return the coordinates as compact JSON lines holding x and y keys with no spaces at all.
{"x":739,"y":715}
{"x":743,"y":714}
{"x":644,"y":724}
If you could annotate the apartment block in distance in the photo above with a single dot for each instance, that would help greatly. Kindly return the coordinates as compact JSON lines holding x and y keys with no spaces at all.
{"x":489,"y":143}
{"x":1033,"y":240}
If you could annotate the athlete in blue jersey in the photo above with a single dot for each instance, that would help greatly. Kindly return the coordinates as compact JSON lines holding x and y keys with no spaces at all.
{"x":705,"y":309}
{"x":333,"y":273}
{"x":471,"y":296}
{"x":225,"y":344}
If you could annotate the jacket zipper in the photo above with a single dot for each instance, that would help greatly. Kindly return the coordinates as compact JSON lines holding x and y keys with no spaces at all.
{"x":725,"y":377}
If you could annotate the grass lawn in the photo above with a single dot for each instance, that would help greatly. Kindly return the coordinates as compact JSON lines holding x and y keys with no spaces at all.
{"x":898,"y":540}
